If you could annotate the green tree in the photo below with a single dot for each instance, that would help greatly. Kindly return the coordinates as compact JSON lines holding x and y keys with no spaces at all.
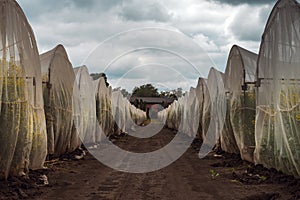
{"x":147,"y":90}
{"x":168,"y":94}
{"x":173,"y":94}
{"x":178,"y":93}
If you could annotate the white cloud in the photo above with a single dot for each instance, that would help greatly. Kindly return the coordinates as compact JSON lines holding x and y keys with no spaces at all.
{"x":82,"y":25}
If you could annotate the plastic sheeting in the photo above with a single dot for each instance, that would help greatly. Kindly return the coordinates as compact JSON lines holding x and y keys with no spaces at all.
{"x":277,"y":128}
{"x":86,"y":109}
{"x":240,"y":90}
{"x":58,"y":82}
{"x":22,"y":121}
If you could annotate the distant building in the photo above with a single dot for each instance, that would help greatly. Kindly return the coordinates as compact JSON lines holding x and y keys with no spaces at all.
{"x":145,"y":103}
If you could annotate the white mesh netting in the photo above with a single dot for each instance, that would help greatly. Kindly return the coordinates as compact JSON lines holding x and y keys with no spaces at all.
{"x":85,"y":112}
{"x":239,"y":84}
{"x":104,"y":106}
{"x":22,"y":121}
{"x":58,"y":82}
{"x":277,"y":129}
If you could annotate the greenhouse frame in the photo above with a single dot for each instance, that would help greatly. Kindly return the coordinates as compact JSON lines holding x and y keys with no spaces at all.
{"x":240,"y":91}
{"x":85,"y":111}
{"x":104,"y":114}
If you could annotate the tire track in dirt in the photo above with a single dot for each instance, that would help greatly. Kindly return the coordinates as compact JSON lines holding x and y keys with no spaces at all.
{"x":187,"y":178}
{"x":147,"y":185}
{"x":118,"y":185}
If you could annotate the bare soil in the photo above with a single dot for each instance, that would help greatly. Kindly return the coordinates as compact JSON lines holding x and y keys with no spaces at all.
{"x":215,"y":177}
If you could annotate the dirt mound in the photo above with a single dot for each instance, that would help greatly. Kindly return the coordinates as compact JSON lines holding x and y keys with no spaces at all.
{"x":23,"y":187}
{"x":263,"y":196}
{"x":250,"y":174}
{"x":29,"y":186}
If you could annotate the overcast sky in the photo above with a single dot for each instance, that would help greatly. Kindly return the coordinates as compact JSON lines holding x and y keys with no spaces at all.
{"x":134,"y":54}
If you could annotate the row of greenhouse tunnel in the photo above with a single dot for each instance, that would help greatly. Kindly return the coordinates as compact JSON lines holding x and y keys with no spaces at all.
{"x":48,"y":107}
{"x":253,"y":108}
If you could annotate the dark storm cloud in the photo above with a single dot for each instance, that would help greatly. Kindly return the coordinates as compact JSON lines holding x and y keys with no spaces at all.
{"x":103,"y":5}
{"x":144,"y":11}
{"x":81,"y":25}
{"x":239,"y":2}
{"x":250,"y":30}
{"x":34,"y":9}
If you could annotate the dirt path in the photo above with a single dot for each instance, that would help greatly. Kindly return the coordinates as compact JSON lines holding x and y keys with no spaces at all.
{"x":187,"y":178}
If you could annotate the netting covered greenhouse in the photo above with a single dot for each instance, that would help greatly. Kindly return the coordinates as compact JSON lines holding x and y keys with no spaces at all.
{"x":22,"y":124}
{"x":201,"y":112}
{"x":58,"y":81}
{"x":214,"y":107}
{"x":201,"y":89}
{"x":137,"y":116}
{"x":179,"y":112}
{"x":85,"y":112}
{"x":133,"y":115}
{"x":173,"y":115}
{"x":47,"y":107}
{"x":104,"y":115}
{"x":240,"y":91}
{"x":118,"y":112}
{"x":189,"y":109}
{"x":277,"y":128}
{"x":125,"y":115}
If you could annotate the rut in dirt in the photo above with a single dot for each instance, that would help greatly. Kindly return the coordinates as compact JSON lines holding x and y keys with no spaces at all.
{"x":187,"y":178}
